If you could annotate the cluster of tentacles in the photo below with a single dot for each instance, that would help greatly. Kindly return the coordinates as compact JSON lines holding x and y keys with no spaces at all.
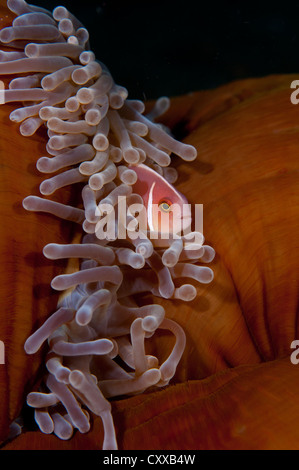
{"x":96,"y":136}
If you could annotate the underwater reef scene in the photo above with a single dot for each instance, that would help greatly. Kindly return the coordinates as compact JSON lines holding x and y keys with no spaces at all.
{"x":166,"y":334}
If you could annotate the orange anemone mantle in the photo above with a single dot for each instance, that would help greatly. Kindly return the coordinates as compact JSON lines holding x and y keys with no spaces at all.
{"x":235,"y":387}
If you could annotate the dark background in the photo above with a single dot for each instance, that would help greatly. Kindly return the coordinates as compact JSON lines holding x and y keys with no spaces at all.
{"x":164,"y":47}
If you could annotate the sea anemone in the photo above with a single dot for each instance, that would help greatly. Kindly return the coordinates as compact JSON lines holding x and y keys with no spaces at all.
{"x":110,"y":152}
{"x":235,"y":386}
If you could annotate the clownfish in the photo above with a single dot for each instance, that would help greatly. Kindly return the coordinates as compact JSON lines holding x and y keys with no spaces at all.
{"x":167,"y":210}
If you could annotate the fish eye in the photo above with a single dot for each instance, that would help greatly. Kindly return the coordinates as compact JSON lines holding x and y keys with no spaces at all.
{"x":165,"y":206}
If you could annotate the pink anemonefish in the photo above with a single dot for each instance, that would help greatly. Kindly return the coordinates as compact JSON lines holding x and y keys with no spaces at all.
{"x":167,"y":210}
